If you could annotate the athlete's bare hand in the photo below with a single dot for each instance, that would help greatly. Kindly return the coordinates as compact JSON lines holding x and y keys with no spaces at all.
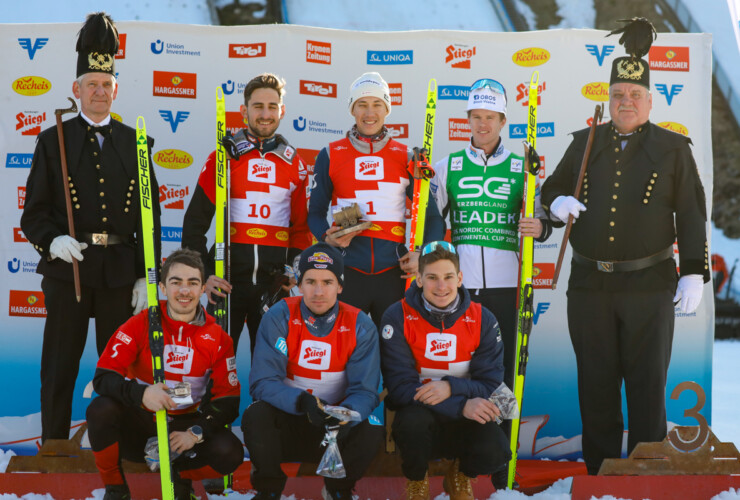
{"x":409,"y":264}
{"x":155,"y":398}
{"x":213,"y":283}
{"x":529,"y":226}
{"x":433,"y":393}
{"x":481,"y":410}
{"x":342,"y":241}
{"x":181,"y":441}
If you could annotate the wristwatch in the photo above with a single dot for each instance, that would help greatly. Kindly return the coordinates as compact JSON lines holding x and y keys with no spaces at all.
{"x":197,"y":432}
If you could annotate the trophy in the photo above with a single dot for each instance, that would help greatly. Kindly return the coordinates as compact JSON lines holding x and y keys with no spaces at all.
{"x":348,"y":218}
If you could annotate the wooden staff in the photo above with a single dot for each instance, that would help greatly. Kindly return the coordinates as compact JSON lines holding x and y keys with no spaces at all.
{"x":598,"y":114}
{"x":67,"y":196}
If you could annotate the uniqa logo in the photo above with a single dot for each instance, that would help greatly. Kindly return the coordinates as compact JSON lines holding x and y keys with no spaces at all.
{"x":596,"y":91}
{"x":31,"y":85}
{"x":532,"y":56}
{"x":256,"y":232}
{"x":674,"y":127}
{"x":173,"y":159}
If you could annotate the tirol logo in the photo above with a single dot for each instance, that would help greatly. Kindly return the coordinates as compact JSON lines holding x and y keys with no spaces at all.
{"x":25,"y":303}
{"x":173,"y":159}
{"x":18,"y":160}
{"x":532,"y":56}
{"x":29,"y":122}
{"x":31,"y":85}
{"x":234,"y":121}
{"x":121,"y":54}
{"x":458,"y":55}
{"x":18,"y":235}
{"x":458,"y":92}
{"x":318,"y":52}
{"x":542,"y":275}
{"x":600,"y":54}
{"x":315,"y":355}
{"x":261,"y":170}
{"x":171,"y":233}
{"x":542,"y":308}
{"x":21,"y":196}
{"x":247,"y":50}
{"x":396,"y":90}
{"x":459,"y":129}
{"x":32,"y":46}
{"x":674,"y":127}
{"x":390,"y":57}
{"x":179,"y":117}
{"x":174,"y":84}
{"x":369,"y":168}
{"x":173,"y":196}
{"x":441,"y":346}
{"x":175,"y":49}
{"x":321,"y":89}
{"x":519,"y":130}
{"x":522,"y":93}
{"x":398,"y":131}
{"x":669,"y":93}
{"x":669,"y":58}
{"x":596,"y":91}
{"x":229,"y":86}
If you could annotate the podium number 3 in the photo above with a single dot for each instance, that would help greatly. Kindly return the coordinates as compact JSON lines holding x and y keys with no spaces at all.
{"x":703,"y":433}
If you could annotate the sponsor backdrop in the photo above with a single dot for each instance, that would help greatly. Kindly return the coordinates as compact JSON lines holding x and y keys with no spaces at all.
{"x":170,"y":73}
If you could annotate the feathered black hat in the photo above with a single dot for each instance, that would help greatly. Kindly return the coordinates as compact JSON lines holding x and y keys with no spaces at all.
{"x":638,"y":35}
{"x":97,"y":45}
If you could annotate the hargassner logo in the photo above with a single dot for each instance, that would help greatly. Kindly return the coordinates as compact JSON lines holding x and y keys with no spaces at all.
{"x":175,"y":120}
{"x":600,"y":53}
{"x":390,"y":57}
{"x":32,"y":45}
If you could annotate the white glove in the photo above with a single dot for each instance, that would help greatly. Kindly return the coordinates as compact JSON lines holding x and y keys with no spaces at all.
{"x":688,"y":292}
{"x":65,"y":247}
{"x":563,"y":206}
{"x":138,"y":296}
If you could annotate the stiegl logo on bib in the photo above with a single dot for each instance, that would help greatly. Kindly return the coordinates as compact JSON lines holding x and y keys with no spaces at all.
{"x":315,"y":355}
{"x":441,"y":347}
{"x":369,"y":168}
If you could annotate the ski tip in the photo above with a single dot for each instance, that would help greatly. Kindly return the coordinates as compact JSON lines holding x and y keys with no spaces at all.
{"x":535,"y":78}
{"x":219,"y":92}
{"x":432,"y":87}
{"x":140,"y":122}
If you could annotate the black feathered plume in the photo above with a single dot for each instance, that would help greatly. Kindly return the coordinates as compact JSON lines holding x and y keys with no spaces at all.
{"x":98,"y":34}
{"x":637,"y":36}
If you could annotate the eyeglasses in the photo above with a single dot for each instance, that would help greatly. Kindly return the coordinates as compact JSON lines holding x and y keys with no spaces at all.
{"x":431,"y":247}
{"x":488,"y":83}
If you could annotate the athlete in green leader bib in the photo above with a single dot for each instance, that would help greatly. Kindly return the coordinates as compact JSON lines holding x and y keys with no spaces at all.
{"x":480,"y":188}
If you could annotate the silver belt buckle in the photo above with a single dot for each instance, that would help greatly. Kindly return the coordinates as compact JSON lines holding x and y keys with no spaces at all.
{"x":605,"y":266}
{"x":100,"y":239}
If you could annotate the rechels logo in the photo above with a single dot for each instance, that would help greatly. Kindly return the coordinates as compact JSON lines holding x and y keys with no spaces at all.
{"x":532,"y":56}
{"x":29,"y":122}
{"x":26,"y":303}
{"x":18,"y":160}
{"x":318,"y":52}
{"x":600,"y":54}
{"x":21,"y":196}
{"x":247,"y":50}
{"x":441,"y":346}
{"x":171,"y":233}
{"x":519,"y":130}
{"x":18,"y":236}
{"x":458,"y":55}
{"x":596,"y":91}
{"x":31,"y":46}
{"x":459,"y":129}
{"x":121,"y":54}
{"x":173,"y":196}
{"x":369,"y":168}
{"x":321,"y":89}
{"x":315,"y":355}
{"x":179,"y":117}
{"x":669,"y":58}
{"x":522,"y":93}
{"x":390,"y":57}
{"x":31,"y":85}
{"x":458,"y":92}
{"x":171,"y":84}
{"x":398,"y":130}
{"x":669,"y":93}
{"x":396,"y":90}
{"x":173,"y":159}
{"x":674,"y":127}
{"x":542,"y":275}
{"x":261,"y":170}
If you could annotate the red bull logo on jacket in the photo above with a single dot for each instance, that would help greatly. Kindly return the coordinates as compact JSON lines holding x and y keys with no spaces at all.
{"x":369,"y":168}
{"x":315,"y":355}
{"x":441,"y":347}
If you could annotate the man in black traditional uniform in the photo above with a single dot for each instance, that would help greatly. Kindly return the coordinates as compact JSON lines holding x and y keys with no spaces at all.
{"x":623,"y":277}
{"x":103,"y":182}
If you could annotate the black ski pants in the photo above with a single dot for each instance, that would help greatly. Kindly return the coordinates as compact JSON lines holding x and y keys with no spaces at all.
{"x":373,"y":293}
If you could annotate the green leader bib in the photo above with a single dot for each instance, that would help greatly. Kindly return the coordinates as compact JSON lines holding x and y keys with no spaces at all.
{"x":485,"y":202}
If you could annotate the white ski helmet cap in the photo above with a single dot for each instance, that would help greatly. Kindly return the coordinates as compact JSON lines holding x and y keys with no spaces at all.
{"x":370,"y":85}
{"x":486,"y":98}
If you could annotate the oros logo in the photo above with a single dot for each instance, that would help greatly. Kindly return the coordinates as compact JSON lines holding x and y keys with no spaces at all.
{"x":459,"y":129}
{"x":247,"y":50}
{"x":29,"y":122}
{"x":532,"y":56}
{"x":318,"y":52}
{"x":458,"y":55}
{"x":173,"y":159}
{"x":175,"y":84}
{"x":596,"y":91}
{"x":522,"y":93}
{"x":542,"y":275}
{"x":519,"y":130}
{"x":674,"y":127}
{"x":121,"y":54}
{"x":18,"y":236}
{"x":458,"y":92}
{"x":173,"y":196}
{"x":234,"y":121}
{"x":369,"y":168}
{"x":669,"y":58}
{"x":31,"y":85}
{"x":396,"y":90}
{"x":21,"y":196}
{"x":398,"y":130}
{"x":171,"y":233}
{"x":32,"y":46}
{"x":390,"y":57}
{"x":26,"y":303}
{"x":321,"y":89}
